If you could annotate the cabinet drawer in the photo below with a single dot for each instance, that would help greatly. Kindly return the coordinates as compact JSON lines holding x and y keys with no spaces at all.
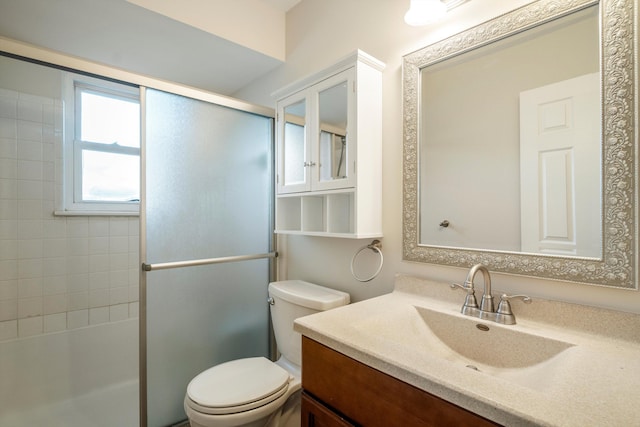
{"x":369,"y":397}
{"x":315,"y":414}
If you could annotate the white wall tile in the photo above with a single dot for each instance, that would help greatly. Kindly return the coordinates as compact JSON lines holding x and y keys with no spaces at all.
{"x":30,"y":228}
{"x":119,"y":245}
{"x":78,"y":282}
{"x":99,"y":280}
{"x":119,"y":261}
{"x":98,"y":263}
{"x":8,"y":169}
{"x":29,"y":249}
{"x":53,"y":285}
{"x":30,"y":288}
{"x":118,"y":295}
{"x":118,"y":312}
{"x":99,"y":227}
{"x":8,"y":330}
{"x":134,"y":309}
{"x":29,"y":189}
{"x":29,"y":268}
{"x":55,"y":229}
{"x":8,"y":228}
{"x":98,"y":245}
{"x":8,"y":189}
{"x":30,"y":326}
{"x":78,"y":264}
{"x":77,"y":301}
{"x":56,"y":249}
{"x":8,"y":249}
{"x":29,"y":209}
{"x":8,"y":107}
{"x":77,"y":319}
{"x":29,"y":307}
{"x":98,"y":298}
{"x":8,"y":309}
{"x":98,"y":315}
{"x":29,"y":131}
{"x":29,"y":169}
{"x":134,"y":293}
{"x":9,"y":210}
{"x":54,"y":304}
{"x":9,"y":269}
{"x":55,"y":322}
{"x":118,"y":226}
{"x":77,"y":227}
{"x":8,"y":128}
{"x":53,"y":267}
{"x":118,"y":278}
{"x":8,"y":289}
{"x":78,"y":246}
{"x":30,"y":110}
{"x":30,"y":150}
{"x":8,"y":148}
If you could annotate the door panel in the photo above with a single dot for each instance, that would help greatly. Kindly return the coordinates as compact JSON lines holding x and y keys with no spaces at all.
{"x":207,"y":193}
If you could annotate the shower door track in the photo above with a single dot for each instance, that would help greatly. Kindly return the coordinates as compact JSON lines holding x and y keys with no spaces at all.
{"x":206,"y":261}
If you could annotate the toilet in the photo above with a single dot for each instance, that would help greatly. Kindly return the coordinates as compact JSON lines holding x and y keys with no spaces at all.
{"x":256,"y":392}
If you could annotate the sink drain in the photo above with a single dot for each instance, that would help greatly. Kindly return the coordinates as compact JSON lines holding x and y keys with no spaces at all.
{"x":475,"y":368}
{"x":482,"y":327}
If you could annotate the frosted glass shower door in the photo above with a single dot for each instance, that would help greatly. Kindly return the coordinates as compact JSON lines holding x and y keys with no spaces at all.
{"x":207,"y":193}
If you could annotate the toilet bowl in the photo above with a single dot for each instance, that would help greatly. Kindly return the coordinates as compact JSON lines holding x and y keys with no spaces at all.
{"x":256,"y":392}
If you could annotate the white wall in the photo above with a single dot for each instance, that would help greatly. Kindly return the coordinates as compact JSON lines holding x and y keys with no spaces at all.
{"x":322,"y":31}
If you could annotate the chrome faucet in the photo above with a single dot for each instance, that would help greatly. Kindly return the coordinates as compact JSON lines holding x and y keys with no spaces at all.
{"x":486,"y":310}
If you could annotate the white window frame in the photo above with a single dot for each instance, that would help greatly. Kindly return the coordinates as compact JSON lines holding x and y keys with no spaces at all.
{"x":72,"y":147}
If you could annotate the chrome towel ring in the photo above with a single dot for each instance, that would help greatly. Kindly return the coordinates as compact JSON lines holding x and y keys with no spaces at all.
{"x":375,"y":246}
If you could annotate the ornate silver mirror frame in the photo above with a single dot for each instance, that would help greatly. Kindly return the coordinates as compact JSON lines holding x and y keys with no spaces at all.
{"x":618,"y":265}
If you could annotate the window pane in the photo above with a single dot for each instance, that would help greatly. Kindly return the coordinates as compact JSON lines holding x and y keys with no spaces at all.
{"x":106,"y":120}
{"x":110,"y":177}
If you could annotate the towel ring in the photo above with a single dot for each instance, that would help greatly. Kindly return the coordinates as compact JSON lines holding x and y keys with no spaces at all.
{"x":375,"y":246}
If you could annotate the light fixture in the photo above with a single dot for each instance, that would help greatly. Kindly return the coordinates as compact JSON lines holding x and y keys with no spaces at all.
{"x":423,"y":12}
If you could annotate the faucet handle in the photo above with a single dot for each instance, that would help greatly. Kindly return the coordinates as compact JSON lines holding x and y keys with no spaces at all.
{"x":505,"y":308}
{"x":470,"y":302}
{"x":465,"y":287}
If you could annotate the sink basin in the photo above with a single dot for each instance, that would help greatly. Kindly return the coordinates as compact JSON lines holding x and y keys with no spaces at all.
{"x":482,"y":345}
{"x":489,"y":344}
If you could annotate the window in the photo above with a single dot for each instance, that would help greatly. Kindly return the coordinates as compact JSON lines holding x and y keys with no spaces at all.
{"x":102,"y":147}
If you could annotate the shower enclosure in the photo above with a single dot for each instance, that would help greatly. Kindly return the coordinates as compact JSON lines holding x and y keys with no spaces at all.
{"x":206,"y":201}
{"x":86,"y":336}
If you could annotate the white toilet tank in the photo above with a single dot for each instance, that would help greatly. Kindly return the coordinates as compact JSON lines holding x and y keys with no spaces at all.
{"x":296,"y":298}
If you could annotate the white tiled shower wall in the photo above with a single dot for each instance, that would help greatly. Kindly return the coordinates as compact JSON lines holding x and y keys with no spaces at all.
{"x":56,"y":272}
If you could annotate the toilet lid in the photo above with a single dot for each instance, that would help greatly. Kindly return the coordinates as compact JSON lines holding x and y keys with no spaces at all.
{"x":245,"y":383}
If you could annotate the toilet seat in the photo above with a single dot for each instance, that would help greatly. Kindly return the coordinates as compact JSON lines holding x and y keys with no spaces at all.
{"x":237,"y":386}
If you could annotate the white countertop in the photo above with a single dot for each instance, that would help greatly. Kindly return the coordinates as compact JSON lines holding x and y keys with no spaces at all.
{"x":596,"y":383}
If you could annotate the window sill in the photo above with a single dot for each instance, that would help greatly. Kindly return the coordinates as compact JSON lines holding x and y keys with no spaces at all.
{"x":95,"y":213}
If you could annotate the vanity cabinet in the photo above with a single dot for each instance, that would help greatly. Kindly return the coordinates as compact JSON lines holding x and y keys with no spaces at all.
{"x":341,"y":391}
{"x":329,"y":151}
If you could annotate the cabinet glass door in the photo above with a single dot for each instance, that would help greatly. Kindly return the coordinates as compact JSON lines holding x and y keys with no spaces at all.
{"x":335,"y":152}
{"x":294,"y":161}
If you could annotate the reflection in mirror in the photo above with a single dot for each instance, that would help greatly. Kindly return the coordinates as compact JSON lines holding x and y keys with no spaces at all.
{"x":294,"y":143}
{"x":520,"y":175}
{"x":541,"y":176}
{"x":333,"y":132}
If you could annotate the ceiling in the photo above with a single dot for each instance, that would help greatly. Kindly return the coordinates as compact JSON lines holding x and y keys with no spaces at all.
{"x":121,"y":34}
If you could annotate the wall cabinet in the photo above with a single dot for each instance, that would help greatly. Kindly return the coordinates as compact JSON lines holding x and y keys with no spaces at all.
{"x":342,"y":391}
{"x":329,"y":151}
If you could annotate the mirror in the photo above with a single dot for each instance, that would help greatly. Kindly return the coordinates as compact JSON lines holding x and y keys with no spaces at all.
{"x":554,"y":221}
{"x":294,"y":143}
{"x":332,"y":106}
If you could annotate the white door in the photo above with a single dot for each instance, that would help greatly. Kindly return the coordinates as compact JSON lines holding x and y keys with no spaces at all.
{"x":560,"y":159}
